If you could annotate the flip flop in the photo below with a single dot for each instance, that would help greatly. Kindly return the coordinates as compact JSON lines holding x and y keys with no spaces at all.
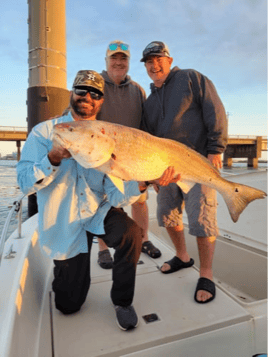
{"x":105,"y":260}
{"x":150,"y":249}
{"x":206,"y":285}
{"x":177,"y":264}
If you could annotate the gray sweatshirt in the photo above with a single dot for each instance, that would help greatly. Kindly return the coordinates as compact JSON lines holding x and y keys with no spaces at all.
{"x":187,"y":109}
{"x":123,"y":103}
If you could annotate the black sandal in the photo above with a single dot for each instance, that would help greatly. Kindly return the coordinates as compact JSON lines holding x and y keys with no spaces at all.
{"x":105,"y":260}
{"x":150,"y":249}
{"x":177,"y":264}
{"x":206,"y":285}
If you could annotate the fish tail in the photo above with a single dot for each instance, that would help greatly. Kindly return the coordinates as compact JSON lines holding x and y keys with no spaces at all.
{"x":238,"y":196}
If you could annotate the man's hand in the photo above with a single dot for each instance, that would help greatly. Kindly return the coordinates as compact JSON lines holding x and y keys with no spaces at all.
{"x":215,"y":160}
{"x":57,"y":153}
{"x":167,"y":178}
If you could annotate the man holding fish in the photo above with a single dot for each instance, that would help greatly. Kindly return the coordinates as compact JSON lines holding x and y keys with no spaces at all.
{"x":184,"y":106}
{"x":75,"y":204}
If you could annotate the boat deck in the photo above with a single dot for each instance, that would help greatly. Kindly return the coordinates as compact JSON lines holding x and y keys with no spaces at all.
{"x":93,"y":330}
{"x":233,"y":325}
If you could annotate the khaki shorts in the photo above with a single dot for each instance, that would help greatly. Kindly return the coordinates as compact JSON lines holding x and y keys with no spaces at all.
{"x":143,"y":197}
{"x":200,"y":204}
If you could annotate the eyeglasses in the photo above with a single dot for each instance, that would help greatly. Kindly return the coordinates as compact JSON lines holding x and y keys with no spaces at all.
{"x":83,"y":93}
{"x":114,"y":46}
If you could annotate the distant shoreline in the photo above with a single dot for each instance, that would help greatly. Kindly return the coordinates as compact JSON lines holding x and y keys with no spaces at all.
{"x":3,"y":159}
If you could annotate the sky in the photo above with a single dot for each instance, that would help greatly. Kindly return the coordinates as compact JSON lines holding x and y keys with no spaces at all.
{"x":226,"y":40}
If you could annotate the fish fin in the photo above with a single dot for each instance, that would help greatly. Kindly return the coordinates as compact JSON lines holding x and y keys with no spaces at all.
{"x":118,"y":183}
{"x":185,"y":186}
{"x":238,"y":196}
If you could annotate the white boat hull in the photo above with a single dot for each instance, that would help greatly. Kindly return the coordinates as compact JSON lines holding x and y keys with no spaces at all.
{"x":232,"y":325}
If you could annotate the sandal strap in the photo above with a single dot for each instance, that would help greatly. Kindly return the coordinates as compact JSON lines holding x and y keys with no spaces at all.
{"x":105,"y":255}
{"x":206,"y":285}
{"x":150,"y":249}
{"x":148,"y":245}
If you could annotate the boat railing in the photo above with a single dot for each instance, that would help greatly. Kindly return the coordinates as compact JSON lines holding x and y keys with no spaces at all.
{"x":16,"y":207}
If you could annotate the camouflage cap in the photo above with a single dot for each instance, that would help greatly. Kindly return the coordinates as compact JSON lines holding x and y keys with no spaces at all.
{"x":89,"y":78}
{"x":117,"y":47}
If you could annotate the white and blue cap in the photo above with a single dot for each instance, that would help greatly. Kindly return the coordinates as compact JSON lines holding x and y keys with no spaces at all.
{"x":117,"y":47}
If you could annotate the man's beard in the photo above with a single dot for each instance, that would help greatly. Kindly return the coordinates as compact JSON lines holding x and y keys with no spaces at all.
{"x":82,"y":112}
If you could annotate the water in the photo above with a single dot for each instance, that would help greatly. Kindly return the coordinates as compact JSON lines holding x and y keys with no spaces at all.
{"x":9,"y":190}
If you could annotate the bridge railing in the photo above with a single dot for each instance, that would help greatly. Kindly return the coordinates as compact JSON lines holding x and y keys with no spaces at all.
{"x":246,"y":137}
{"x":13,"y":128}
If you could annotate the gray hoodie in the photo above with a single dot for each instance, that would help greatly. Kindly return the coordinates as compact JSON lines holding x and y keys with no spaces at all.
{"x":187,"y":109}
{"x":123,"y":103}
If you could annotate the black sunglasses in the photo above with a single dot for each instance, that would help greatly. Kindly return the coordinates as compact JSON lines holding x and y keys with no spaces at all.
{"x":83,"y":93}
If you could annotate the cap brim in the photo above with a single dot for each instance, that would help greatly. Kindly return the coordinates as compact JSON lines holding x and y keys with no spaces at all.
{"x":110,"y":53}
{"x":154,"y":54}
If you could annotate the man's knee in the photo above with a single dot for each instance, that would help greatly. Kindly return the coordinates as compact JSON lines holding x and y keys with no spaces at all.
{"x":69,"y":299}
{"x":178,"y":228}
{"x":66,"y":305}
{"x":71,"y":283}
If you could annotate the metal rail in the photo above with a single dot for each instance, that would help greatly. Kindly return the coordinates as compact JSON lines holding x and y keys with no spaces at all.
{"x":16,"y":207}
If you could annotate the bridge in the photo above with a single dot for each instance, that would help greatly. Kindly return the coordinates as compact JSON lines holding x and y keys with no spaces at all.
{"x":241,"y":146}
{"x":13,"y":133}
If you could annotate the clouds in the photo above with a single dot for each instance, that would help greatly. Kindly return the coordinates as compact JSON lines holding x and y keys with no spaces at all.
{"x":224,"y":39}
{"x":226,"y":36}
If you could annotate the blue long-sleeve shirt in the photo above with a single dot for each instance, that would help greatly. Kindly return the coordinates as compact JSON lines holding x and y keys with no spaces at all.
{"x":71,"y":199}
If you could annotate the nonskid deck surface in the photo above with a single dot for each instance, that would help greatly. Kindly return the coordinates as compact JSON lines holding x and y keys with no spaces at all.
{"x":93,"y":330}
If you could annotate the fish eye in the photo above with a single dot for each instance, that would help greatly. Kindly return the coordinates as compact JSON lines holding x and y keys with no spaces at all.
{"x":71,"y":129}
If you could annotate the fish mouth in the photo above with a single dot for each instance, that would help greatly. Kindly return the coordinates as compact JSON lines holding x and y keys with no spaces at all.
{"x":61,"y":141}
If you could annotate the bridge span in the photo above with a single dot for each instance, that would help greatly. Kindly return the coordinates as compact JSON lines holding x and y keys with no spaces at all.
{"x":14,"y":133}
{"x":241,"y":146}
